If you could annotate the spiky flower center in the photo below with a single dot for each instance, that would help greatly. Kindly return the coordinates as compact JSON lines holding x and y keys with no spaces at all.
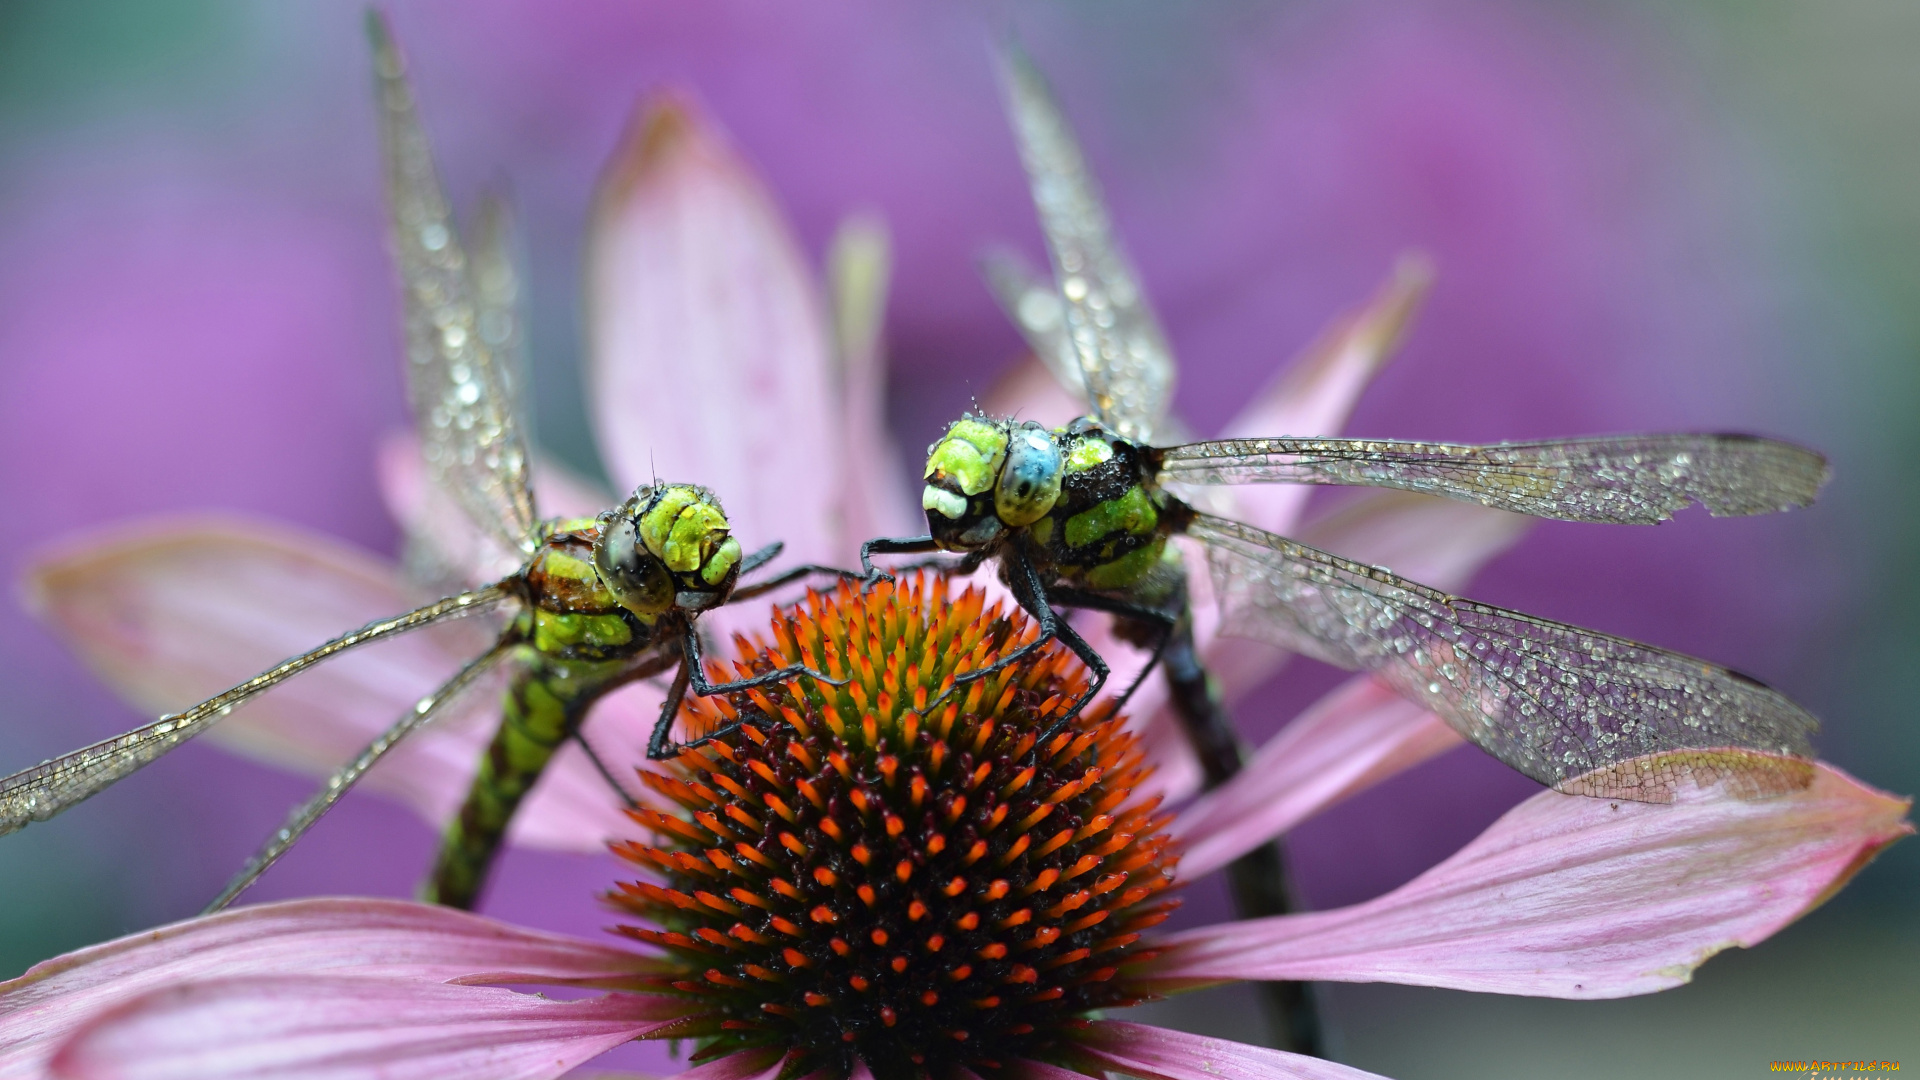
{"x":855,"y":875}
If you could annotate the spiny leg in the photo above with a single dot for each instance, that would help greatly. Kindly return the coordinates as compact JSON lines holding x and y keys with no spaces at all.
{"x":1094,"y":661}
{"x":599,"y":766}
{"x":307,"y":814}
{"x":1030,"y":593}
{"x":892,"y":545}
{"x":756,"y":560}
{"x":693,"y":676}
{"x":1162,"y":622}
{"x":661,"y":738}
{"x":788,"y":577}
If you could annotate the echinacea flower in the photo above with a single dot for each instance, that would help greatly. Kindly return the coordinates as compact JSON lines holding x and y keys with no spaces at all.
{"x":873,"y":881}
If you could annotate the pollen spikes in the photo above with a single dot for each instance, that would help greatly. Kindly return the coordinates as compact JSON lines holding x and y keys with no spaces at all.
{"x":846,"y":877}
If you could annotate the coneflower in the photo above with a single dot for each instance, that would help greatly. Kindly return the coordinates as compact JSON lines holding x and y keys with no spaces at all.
{"x":889,"y":880}
{"x":892,"y":871}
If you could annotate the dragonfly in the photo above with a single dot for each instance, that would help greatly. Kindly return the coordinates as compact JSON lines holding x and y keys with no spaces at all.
{"x":597,"y":604}
{"x":1083,"y":517}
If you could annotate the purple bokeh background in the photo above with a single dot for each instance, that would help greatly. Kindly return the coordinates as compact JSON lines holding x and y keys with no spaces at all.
{"x":196,"y":313}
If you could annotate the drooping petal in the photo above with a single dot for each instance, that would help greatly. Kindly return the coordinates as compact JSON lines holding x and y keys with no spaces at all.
{"x":1568,"y":896}
{"x":366,"y":938}
{"x":708,"y":344}
{"x":1315,"y":394}
{"x":171,"y":612}
{"x":345,"y":1028}
{"x":1350,"y":739}
{"x":1157,"y":1053}
{"x":875,"y":500}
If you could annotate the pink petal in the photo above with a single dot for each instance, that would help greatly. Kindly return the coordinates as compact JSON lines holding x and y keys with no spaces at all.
{"x":431,"y":518}
{"x":708,"y":343}
{"x":1567,"y":896}
{"x":1317,"y":392}
{"x":1349,"y":740}
{"x":336,"y":1028}
{"x":171,"y":612}
{"x":875,"y":500}
{"x":1156,"y":1053}
{"x":391,"y":939}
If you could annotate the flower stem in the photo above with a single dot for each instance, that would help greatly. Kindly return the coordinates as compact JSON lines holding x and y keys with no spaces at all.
{"x":1258,"y":879}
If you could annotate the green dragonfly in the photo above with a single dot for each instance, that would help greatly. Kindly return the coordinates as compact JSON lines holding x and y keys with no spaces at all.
{"x":599,"y":602}
{"x":1082,"y":516}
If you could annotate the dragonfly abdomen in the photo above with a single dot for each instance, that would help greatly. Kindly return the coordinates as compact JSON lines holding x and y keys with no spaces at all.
{"x":543,"y":707}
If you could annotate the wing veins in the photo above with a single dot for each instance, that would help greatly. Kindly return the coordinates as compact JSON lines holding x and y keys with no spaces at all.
{"x":1623,"y":479}
{"x":1575,"y":708}
{"x":39,"y":793}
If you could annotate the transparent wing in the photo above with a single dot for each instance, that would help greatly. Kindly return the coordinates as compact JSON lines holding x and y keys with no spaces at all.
{"x":1624,"y":479}
{"x":1034,"y":305}
{"x":460,"y":385}
{"x":1573,"y":708}
{"x":309,"y":813}
{"x":1126,"y":365}
{"x":500,"y":300}
{"x":39,"y":793}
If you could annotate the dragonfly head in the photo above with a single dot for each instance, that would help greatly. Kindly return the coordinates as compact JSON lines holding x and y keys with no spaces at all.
{"x":668,"y":546}
{"x":984,"y":476}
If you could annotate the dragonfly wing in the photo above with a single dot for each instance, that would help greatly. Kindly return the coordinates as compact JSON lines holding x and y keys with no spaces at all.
{"x":1577,"y":709}
{"x":460,"y":384}
{"x":1622,"y":479}
{"x":1034,"y":305}
{"x":1126,"y":365}
{"x":309,"y":813}
{"x":39,"y":793}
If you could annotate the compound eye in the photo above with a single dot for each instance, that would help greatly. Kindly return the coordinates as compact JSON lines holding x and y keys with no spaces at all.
{"x":1030,"y":480}
{"x":634,"y":576}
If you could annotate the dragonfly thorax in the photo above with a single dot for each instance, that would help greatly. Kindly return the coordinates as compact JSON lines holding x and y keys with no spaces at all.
{"x":668,"y":547}
{"x":1081,"y":494}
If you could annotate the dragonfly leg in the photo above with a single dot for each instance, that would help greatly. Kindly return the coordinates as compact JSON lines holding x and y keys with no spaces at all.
{"x":693,"y":676}
{"x":1087,"y":654}
{"x":1031,"y":593}
{"x":310,"y":812}
{"x":1032,"y":598}
{"x":762,"y":557}
{"x":1160,"y":622}
{"x":788,"y":577}
{"x":660,"y":744}
{"x":599,"y":766}
{"x":892,"y":545}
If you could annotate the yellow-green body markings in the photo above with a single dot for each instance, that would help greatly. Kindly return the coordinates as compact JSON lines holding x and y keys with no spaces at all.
{"x":604,"y":607}
{"x":1080,"y":500}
